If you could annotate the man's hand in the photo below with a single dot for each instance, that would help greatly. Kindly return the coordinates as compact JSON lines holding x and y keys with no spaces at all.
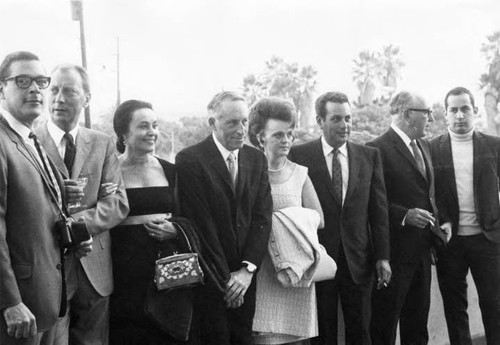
{"x":20,"y":321}
{"x":237,"y":287}
{"x":83,"y":248}
{"x":384,"y":273}
{"x":74,"y":193}
{"x":107,"y":188}
{"x":419,"y":218}
{"x":446,"y":228}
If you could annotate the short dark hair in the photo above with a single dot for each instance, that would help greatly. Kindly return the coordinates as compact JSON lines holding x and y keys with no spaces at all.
{"x":123,"y":117}
{"x":334,"y":97}
{"x":221,"y":97}
{"x":78,"y":69}
{"x":14,"y":57}
{"x":459,"y":90}
{"x":269,"y":108}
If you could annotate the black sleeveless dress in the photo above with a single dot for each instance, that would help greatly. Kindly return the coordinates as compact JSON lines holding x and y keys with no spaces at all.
{"x":134,"y":254}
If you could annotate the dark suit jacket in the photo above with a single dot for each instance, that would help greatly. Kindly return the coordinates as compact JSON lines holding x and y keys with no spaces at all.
{"x":361,"y":225}
{"x":95,"y":159}
{"x":486,"y":182}
{"x":30,"y":259}
{"x":407,"y":188}
{"x":232,"y":227}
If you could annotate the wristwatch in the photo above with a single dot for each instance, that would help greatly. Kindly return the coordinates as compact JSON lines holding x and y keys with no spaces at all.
{"x":251,"y":268}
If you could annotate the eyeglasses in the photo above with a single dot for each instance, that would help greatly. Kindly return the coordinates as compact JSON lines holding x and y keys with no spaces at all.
{"x":426,"y":111}
{"x":24,"y":81}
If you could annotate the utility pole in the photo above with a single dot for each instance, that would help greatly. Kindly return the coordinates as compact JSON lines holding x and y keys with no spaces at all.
{"x":77,"y":14}
{"x":118,"y":97}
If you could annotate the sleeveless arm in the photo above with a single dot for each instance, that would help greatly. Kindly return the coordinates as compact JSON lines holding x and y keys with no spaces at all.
{"x":310,"y":200}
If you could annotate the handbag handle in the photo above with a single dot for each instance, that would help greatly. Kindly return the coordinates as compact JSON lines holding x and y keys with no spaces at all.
{"x":181,"y":230}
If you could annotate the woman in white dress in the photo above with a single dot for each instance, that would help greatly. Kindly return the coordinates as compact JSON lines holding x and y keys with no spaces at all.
{"x":284,"y":315}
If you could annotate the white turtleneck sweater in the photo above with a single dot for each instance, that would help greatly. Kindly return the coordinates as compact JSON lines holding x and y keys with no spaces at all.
{"x":463,"y":157}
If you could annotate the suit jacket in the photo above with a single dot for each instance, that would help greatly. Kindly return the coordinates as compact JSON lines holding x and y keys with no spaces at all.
{"x":30,"y":258}
{"x":361,"y":224}
{"x":233,"y":226}
{"x":95,"y":159}
{"x":407,"y":188}
{"x":486,"y":170}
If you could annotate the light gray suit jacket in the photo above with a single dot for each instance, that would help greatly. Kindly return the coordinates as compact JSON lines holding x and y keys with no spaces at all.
{"x":30,"y":258}
{"x":97,"y":160}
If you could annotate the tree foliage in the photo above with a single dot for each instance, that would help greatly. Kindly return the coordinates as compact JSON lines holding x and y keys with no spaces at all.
{"x":283,"y":79}
{"x":376,"y":75}
{"x":490,"y":81}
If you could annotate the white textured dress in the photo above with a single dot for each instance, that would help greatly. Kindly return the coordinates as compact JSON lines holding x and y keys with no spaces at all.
{"x":284,"y":315}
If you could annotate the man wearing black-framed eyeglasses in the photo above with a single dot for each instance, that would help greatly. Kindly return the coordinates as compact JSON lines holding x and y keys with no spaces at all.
{"x":414,"y":226}
{"x":25,"y":81}
{"x":32,"y":284}
{"x":467,"y":166}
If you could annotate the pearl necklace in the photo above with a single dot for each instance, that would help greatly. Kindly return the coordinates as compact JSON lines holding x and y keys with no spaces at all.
{"x":280,"y":168}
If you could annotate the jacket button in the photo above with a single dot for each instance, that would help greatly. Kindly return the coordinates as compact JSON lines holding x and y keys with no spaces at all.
{"x":59,"y":266}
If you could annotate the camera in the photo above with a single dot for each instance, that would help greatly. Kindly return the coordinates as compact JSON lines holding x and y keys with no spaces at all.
{"x":71,"y":233}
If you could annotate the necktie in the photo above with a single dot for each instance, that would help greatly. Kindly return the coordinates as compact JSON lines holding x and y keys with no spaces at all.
{"x":337,"y":176}
{"x":231,"y":165}
{"x":47,"y":168}
{"x":418,"y":158}
{"x":69,"y":155}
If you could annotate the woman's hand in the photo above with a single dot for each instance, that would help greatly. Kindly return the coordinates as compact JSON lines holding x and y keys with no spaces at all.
{"x":161,"y":229}
{"x":107,"y":188}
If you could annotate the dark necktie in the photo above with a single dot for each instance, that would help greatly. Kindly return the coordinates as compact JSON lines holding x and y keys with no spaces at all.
{"x":69,"y":155}
{"x":47,"y":168}
{"x":231,"y":165}
{"x":337,"y":176}
{"x":419,"y":159}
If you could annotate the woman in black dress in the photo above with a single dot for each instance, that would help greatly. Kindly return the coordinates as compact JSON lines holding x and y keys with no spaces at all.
{"x":149,"y":182}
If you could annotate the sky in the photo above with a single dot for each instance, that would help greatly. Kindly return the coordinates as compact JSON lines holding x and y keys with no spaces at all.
{"x":178,"y":54}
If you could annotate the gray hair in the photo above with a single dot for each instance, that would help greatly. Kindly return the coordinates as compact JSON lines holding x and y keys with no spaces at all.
{"x":78,"y":69}
{"x":221,"y":97}
{"x":400,"y":101}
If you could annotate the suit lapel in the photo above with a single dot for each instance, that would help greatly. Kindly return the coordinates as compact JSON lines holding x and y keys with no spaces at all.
{"x":51,"y":148}
{"x":26,"y":151}
{"x":400,"y":145}
{"x":83,"y":144}
{"x":479,"y":151}
{"x":243,"y":169}
{"x":320,"y":167}
{"x":446,"y":161}
{"x":217,"y":162}
{"x":427,"y":161}
{"x":354,"y":166}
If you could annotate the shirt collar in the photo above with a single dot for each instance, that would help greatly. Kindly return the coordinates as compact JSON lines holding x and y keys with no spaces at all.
{"x":402,"y":134}
{"x":223,"y":151}
{"x":327,"y":148}
{"x":17,"y":125}
{"x":57,"y":133}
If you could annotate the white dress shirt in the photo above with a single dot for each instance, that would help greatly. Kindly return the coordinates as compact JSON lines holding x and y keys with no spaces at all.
{"x":344,"y":163}
{"x":57,"y":135}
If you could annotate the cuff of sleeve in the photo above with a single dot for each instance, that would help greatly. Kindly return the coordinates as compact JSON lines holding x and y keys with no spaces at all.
{"x":250,"y":265}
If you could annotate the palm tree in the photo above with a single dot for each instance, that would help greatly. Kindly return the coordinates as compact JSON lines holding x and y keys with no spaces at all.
{"x":365,"y":75}
{"x":490,"y":82}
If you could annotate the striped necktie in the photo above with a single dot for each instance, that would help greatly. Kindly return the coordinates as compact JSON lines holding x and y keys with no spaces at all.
{"x":419,"y":159}
{"x":48,"y":169}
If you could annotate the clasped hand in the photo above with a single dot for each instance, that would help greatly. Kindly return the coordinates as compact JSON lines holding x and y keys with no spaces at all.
{"x":161,"y":229}
{"x":237,"y":287}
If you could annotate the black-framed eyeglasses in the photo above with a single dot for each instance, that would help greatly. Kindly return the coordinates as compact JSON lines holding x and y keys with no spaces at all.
{"x":24,"y":81}
{"x":426,"y":111}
